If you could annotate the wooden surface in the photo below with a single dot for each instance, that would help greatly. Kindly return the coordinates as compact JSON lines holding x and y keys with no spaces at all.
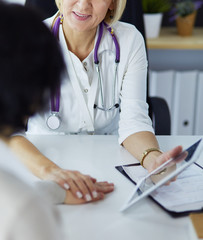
{"x":197,"y":220}
{"x":169,"y":39}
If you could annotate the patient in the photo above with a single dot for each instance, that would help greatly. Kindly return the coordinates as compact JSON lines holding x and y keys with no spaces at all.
{"x":31,"y":65}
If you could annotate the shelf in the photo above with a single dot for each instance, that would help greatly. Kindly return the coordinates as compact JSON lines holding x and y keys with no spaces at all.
{"x":169,"y":39}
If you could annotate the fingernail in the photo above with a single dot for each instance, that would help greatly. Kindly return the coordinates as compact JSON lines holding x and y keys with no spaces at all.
{"x":79,"y":194}
{"x":66,"y":186}
{"x":94,"y":194}
{"x":88,"y":197}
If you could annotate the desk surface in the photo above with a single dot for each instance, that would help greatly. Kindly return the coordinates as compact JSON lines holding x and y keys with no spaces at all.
{"x":169,"y":39}
{"x":98,"y":156}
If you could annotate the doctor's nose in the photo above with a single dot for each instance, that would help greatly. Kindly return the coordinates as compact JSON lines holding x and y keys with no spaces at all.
{"x":84,"y":4}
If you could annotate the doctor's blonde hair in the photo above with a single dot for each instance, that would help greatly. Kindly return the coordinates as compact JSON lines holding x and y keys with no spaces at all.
{"x":116,"y":13}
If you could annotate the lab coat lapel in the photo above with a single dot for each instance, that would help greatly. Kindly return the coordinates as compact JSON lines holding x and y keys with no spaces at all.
{"x":89,"y":120}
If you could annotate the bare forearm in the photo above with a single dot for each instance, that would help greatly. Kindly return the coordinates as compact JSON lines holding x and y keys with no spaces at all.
{"x":31,"y":157}
{"x":82,"y":188}
{"x":137,"y":143}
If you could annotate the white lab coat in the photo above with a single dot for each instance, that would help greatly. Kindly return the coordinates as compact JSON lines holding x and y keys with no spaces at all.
{"x":131,"y":88}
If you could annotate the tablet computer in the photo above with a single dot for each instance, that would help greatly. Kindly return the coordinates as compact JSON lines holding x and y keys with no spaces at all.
{"x":164,"y":173}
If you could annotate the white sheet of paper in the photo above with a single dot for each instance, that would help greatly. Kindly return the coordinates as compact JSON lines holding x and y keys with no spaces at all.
{"x":178,"y":196}
{"x":187,"y":189}
{"x":136,"y":173}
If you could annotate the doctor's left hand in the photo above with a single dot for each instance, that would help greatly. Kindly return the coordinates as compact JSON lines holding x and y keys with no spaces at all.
{"x":101,"y":187}
{"x":80,"y":185}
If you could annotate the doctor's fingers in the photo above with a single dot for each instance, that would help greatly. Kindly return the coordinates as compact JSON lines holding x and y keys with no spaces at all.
{"x":168,"y":155}
{"x":76,"y":186}
{"x":81,"y":185}
{"x":71,"y":199}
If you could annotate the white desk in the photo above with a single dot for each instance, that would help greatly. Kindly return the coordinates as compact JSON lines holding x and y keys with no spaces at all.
{"x":98,"y":156}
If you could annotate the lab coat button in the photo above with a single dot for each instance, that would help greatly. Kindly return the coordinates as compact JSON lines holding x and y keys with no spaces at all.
{"x":85,"y":66}
{"x":86,"y":90}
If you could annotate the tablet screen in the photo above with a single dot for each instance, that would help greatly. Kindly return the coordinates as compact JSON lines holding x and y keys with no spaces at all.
{"x":164,"y":173}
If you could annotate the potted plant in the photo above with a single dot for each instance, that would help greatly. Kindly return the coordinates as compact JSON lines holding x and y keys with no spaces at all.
{"x":184,"y":12}
{"x":153,"y":13}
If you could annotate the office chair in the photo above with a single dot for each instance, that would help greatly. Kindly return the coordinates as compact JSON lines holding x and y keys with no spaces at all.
{"x":158,"y":107}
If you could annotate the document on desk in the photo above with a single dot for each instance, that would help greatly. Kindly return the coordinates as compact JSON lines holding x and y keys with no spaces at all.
{"x":185,"y":194}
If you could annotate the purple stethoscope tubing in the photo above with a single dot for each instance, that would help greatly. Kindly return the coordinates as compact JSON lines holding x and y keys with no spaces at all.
{"x":110,"y":30}
{"x":55,"y":98}
{"x":55,"y":101}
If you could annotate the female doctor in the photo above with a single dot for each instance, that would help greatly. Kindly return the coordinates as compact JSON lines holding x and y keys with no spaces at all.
{"x":103,"y":91}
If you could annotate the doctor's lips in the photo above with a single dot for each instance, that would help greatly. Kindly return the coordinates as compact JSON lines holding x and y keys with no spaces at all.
{"x":81,"y":16}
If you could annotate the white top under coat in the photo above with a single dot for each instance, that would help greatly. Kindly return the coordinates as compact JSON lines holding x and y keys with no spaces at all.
{"x":132,"y":71}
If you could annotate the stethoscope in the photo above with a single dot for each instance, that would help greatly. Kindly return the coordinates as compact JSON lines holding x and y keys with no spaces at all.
{"x":54,"y":121}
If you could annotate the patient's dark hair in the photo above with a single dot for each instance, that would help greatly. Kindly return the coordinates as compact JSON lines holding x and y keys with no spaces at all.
{"x":31,"y":64}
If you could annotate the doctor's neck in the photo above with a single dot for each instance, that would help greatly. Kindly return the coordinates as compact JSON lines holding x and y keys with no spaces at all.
{"x":81,"y":43}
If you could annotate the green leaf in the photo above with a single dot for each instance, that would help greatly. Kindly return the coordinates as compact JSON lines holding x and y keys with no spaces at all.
{"x":156,"y":6}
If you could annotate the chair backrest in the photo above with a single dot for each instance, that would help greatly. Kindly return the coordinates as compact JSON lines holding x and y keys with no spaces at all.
{"x":158,"y":107}
{"x":160,"y":115}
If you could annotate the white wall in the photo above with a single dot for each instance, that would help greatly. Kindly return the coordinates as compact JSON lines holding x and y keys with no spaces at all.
{"x":177,"y":76}
{"x":182,"y":90}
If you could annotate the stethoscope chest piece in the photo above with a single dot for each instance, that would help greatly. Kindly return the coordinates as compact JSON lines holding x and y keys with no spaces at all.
{"x":53,"y":121}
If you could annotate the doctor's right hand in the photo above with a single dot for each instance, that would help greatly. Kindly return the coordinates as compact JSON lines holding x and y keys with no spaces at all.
{"x":82,"y":186}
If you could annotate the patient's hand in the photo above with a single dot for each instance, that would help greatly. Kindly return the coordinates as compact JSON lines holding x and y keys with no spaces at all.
{"x":101,"y":187}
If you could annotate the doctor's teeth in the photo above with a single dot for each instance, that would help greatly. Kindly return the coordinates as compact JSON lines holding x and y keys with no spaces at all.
{"x":81,"y":15}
